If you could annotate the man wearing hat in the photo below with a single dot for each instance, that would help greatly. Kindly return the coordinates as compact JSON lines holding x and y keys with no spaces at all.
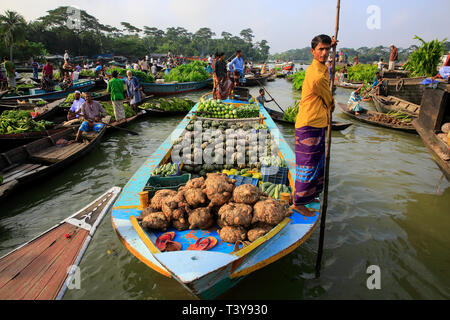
{"x":393,"y":57}
{"x":76,"y":106}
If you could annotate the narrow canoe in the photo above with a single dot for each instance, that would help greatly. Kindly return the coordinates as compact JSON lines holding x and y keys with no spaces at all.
{"x":278,"y":117}
{"x":390,"y":103}
{"x":365,"y":117}
{"x":54,"y":95}
{"x":43,"y":157}
{"x":256,"y":80}
{"x":10,"y":141}
{"x":165,"y":89}
{"x":43,"y":268}
{"x":207,"y":274}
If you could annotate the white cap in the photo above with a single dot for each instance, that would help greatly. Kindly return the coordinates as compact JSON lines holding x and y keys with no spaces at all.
{"x":78,"y":92}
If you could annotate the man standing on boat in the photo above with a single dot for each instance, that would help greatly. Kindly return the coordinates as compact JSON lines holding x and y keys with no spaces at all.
{"x":236,"y":66}
{"x":10,"y":69}
{"x":312,"y":121}
{"x":133,"y":90}
{"x":393,"y":57}
{"x":115,"y":87}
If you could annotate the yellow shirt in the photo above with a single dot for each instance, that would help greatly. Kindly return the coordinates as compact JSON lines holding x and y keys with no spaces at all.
{"x":316,"y":97}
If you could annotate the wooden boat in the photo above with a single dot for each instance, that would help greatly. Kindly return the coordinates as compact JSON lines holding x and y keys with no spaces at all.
{"x":207,"y":274}
{"x":10,"y":141}
{"x":387,"y":104}
{"x":39,"y":269}
{"x":434,"y":112}
{"x":252,"y":81}
{"x":45,"y":111}
{"x":272,"y":78}
{"x":366,"y":117}
{"x":394,"y":74}
{"x":2,"y":93}
{"x":278,"y":117}
{"x":38,"y":159}
{"x":165,"y":89}
{"x":24,"y":69}
{"x":409,"y":89}
{"x":53,"y":95}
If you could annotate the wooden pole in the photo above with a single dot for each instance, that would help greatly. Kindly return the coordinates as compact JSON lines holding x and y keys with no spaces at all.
{"x":269,"y":95}
{"x":323,"y":212}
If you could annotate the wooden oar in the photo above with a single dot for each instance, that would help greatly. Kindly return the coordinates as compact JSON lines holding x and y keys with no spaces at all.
{"x":119,"y":128}
{"x":324,"y":206}
{"x":269,"y":94}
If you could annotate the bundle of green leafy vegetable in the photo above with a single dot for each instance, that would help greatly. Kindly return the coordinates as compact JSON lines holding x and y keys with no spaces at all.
{"x":172,"y":104}
{"x":290,"y":114}
{"x":110,"y":110}
{"x":19,"y":121}
{"x":298,"y":79}
{"x":87,"y":73}
{"x":142,"y":76}
{"x":362,"y":72}
{"x":192,"y":72}
{"x":424,"y":61}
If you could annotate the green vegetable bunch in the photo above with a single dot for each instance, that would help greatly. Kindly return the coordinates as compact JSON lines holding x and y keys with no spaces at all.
{"x":172,"y":104}
{"x":87,"y":73}
{"x":424,"y":61}
{"x":217,"y":109}
{"x":192,"y":72}
{"x":362,"y":72}
{"x":298,"y":79}
{"x":110,"y":110}
{"x":19,"y":121}
{"x":142,"y":76}
{"x":290,"y":114}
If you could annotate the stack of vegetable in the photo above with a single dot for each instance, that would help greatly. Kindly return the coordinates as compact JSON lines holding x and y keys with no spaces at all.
{"x":274,"y":161}
{"x":298,"y":78}
{"x":192,"y":72}
{"x":424,"y":61}
{"x":142,"y":76}
{"x":172,"y":104}
{"x":241,"y":213}
{"x":290,"y":114}
{"x":110,"y":110}
{"x":274,"y":190}
{"x":362,"y":72}
{"x":400,"y":116}
{"x":168,"y":169}
{"x":87,"y":73}
{"x":19,"y":121}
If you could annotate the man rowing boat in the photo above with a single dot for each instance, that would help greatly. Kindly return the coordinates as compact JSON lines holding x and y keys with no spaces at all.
{"x":310,"y":126}
{"x":92,"y":112}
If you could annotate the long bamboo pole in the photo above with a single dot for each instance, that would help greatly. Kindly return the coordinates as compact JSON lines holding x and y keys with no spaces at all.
{"x":323,"y":213}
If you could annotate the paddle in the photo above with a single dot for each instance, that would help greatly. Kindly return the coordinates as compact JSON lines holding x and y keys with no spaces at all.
{"x":324,"y":206}
{"x":119,"y":128}
{"x":269,"y":94}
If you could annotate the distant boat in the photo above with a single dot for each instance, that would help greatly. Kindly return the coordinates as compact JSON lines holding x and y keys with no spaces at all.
{"x":165,"y":89}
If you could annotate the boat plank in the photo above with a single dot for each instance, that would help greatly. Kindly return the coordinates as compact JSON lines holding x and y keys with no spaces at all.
{"x":48,"y":286}
{"x":30,"y":273}
{"x":17,"y":169}
{"x":22,"y":172}
{"x":57,"y":153}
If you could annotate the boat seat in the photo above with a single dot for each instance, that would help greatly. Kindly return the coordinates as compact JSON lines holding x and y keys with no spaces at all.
{"x":55,"y":154}
{"x":21,"y":171}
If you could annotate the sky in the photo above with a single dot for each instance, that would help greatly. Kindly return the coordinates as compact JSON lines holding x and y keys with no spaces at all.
{"x":285,"y":24}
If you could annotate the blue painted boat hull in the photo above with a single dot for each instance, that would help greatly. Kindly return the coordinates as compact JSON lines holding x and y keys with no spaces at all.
{"x":207,"y":274}
{"x":165,"y":89}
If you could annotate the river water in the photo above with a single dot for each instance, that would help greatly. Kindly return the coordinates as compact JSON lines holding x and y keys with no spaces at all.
{"x":384,"y":210}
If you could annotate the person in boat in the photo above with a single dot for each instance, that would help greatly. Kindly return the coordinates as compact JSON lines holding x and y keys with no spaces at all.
{"x":380,"y":65}
{"x":154,"y":69}
{"x":47,"y":82}
{"x":393,"y":57}
{"x":444,"y":72}
{"x":115,"y":87}
{"x":223,"y":83}
{"x":10,"y":69}
{"x":354,"y":102}
{"x":356,"y":60}
{"x":35,"y":66}
{"x":128,"y":66}
{"x":264,"y":69}
{"x":67,"y":82}
{"x":262,"y":98}
{"x":92,"y":113}
{"x":66,"y":56}
{"x":208,"y":68}
{"x":377,"y":82}
{"x":236,"y":66}
{"x":144,"y":65}
{"x":311,"y":123}
{"x":98,"y":69}
{"x":75,"y":109}
{"x":67,"y":68}
{"x":133,"y":90}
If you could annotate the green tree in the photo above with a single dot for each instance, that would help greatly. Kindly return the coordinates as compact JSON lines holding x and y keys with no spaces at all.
{"x":12,"y":26}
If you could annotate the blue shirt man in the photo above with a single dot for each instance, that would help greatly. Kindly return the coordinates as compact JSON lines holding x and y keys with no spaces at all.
{"x":237,"y":64}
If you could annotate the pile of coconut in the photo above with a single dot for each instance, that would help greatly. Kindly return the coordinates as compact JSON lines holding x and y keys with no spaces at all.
{"x":241,"y":213}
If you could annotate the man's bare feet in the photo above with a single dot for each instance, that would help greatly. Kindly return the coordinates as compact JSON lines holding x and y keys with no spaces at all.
{"x":303,"y":210}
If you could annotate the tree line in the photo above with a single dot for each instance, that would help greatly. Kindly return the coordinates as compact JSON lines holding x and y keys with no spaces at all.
{"x":365,"y":54}
{"x":51,"y":34}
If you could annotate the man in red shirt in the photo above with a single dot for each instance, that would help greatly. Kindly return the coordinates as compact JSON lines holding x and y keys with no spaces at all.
{"x":47,"y":70}
{"x":47,"y":77}
{"x":393,"y":57}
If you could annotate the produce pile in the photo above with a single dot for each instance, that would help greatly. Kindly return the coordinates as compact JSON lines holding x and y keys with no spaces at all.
{"x":172,"y":104}
{"x":19,"y":121}
{"x":400,"y":116}
{"x":362,"y":72}
{"x":192,"y":72}
{"x":129,"y":112}
{"x":425,"y":59}
{"x":274,"y":190}
{"x":395,"y":120}
{"x":142,"y":76}
{"x":87,"y":73}
{"x":290,"y":114}
{"x":241,"y":213}
{"x":217,"y":109}
{"x":165,"y":170}
{"x":297,"y":79}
